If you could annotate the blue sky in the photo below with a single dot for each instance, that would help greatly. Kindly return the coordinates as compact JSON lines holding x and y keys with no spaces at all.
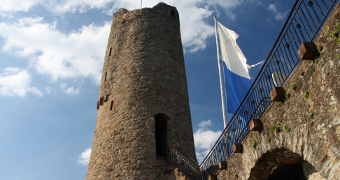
{"x":51,"y":57}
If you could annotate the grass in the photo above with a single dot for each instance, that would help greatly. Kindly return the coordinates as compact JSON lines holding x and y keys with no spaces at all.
{"x":293,"y":87}
{"x":236,"y":175}
{"x":277,"y":129}
{"x":306,"y":94}
{"x":254,"y":145}
{"x":287,"y":95}
{"x":336,"y":32}
{"x":311,"y":115}
{"x":287,"y":128}
{"x":311,"y":123}
{"x":269,"y":140}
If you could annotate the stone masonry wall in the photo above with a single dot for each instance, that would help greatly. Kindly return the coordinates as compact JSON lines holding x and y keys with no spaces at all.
{"x":314,"y":121}
{"x":143,"y":75}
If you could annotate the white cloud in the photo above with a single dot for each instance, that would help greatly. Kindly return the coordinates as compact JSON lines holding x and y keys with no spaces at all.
{"x":193,"y":13}
{"x":75,"y":55}
{"x":204,"y":123}
{"x":84,"y":157}
{"x":205,"y":139}
{"x":16,"y":82}
{"x":80,"y":54}
{"x":279,"y":15}
{"x":18,"y":5}
{"x":55,"y":6}
{"x":70,"y":90}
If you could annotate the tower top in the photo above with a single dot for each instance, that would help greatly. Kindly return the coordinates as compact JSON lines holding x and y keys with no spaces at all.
{"x":157,"y":8}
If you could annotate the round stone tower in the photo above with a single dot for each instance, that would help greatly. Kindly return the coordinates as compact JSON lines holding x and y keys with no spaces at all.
{"x":143,"y":99}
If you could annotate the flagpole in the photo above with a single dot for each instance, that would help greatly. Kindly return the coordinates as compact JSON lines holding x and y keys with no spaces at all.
{"x":220,"y":74}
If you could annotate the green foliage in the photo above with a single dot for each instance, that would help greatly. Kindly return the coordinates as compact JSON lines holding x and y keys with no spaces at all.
{"x":311,"y":123}
{"x":287,"y":128}
{"x":268,"y":140}
{"x":336,"y":32}
{"x":277,"y":129}
{"x":287,"y":95}
{"x":254,"y":145}
{"x":311,"y":115}
{"x":270,"y":150}
{"x":306,"y":94}
{"x":293,"y":87}
{"x":236,"y":175}
{"x":316,"y":61}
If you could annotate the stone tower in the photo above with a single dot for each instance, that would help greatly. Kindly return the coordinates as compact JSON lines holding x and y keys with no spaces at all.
{"x":143,"y":99}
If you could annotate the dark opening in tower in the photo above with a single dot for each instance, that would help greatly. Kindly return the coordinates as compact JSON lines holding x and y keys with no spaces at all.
{"x":161,"y":134}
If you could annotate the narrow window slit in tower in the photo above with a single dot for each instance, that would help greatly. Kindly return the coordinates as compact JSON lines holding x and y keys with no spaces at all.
{"x":105,"y":76}
{"x":111,"y":105}
{"x":110,"y":52}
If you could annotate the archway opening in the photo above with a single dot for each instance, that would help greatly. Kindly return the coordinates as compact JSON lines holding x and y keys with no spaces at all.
{"x":161,"y":135}
{"x":288,"y":171}
{"x":282,"y":164}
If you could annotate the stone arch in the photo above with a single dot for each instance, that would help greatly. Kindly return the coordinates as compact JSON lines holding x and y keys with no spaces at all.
{"x":161,"y":121}
{"x":281,"y":164}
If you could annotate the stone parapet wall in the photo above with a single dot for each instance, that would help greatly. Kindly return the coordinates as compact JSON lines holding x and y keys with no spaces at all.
{"x":303,"y":128}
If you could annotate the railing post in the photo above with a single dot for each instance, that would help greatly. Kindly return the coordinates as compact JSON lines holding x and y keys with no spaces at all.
{"x":255,"y":125}
{"x":212,"y":177}
{"x":277,"y":94}
{"x":307,"y":51}
{"x":238,"y":148}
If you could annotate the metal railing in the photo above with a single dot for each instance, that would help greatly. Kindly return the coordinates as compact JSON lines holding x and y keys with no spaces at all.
{"x":187,"y":165}
{"x":302,"y":25}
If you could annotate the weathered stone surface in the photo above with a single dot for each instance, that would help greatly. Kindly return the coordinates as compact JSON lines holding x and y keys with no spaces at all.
{"x":312,"y":134}
{"x":144,"y":74}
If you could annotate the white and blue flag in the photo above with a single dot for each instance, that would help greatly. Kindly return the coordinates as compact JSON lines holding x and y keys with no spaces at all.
{"x":236,"y":71}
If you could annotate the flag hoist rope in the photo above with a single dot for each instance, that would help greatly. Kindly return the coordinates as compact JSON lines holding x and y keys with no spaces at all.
{"x":220,"y":74}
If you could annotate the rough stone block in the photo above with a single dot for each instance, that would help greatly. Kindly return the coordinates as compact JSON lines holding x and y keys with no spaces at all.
{"x":212,"y":177}
{"x":101,"y":101}
{"x":98,"y":105}
{"x":255,"y":125}
{"x":223,"y":165}
{"x":307,"y":51}
{"x":238,"y":148}
{"x":106,"y":97}
{"x":277,"y":94}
